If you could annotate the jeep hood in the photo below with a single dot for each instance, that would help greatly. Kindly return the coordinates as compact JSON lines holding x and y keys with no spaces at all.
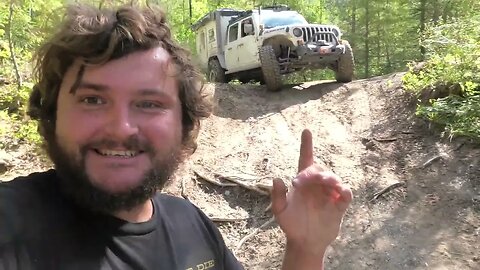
{"x":320,"y":27}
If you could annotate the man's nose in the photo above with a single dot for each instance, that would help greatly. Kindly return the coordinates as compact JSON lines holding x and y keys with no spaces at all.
{"x":120,"y":124}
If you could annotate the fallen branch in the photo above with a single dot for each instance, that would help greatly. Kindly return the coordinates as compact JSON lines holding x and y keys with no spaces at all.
{"x":268,"y":208}
{"x":259,"y":188}
{"x":250,"y":235}
{"x":387,"y":189}
{"x":211,"y":181}
{"x":430,"y":161}
{"x":392,"y":139}
{"x":263,"y":116}
{"x":458,"y":147}
{"x":184,"y":195}
{"x":220,"y":219}
{"x":236,"y":181}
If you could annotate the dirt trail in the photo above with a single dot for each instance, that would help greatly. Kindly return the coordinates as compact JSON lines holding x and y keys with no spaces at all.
{"x":366,"y":132}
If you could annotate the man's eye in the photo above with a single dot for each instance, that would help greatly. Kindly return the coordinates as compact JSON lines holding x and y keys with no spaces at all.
{"x":92,"y":100}
{"x":148,"y":105}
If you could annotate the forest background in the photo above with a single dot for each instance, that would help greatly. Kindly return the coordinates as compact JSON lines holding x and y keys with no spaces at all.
{"x":436,"y":42}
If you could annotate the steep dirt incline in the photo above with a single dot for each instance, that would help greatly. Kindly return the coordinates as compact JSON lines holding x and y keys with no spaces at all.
{"x":367,"y":133}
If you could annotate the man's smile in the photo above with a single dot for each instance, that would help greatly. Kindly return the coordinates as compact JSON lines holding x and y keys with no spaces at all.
{"x":118,"y":153}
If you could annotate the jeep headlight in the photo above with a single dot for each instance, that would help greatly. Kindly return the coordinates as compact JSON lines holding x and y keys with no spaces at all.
{"x":335,"y":32}
{"x":297,"y":32}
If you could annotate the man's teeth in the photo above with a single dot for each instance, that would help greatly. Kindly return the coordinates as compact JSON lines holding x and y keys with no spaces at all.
{"x":118,"y":153}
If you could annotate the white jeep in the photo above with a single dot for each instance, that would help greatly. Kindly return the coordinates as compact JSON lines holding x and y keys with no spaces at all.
{"x":265,"y":43}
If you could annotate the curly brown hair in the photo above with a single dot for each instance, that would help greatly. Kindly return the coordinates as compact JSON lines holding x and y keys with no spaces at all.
{"x":95,"y":36}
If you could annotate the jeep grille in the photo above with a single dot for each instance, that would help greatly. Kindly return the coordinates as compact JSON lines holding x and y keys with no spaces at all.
{"x":309,"y":31}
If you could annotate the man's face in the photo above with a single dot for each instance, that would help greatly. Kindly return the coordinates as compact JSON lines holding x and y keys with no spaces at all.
{"x":119,"y":133}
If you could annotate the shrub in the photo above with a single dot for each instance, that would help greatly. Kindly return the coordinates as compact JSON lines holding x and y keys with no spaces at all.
{"x":453,"y":59}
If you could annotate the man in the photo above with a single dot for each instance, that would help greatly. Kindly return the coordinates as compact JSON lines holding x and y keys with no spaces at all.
{"x":119,"y":105}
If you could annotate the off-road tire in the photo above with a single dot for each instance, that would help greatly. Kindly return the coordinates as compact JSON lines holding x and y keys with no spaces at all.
{"x":346,"y":65}
{"x":270,"y":68}
{"x":215,"y":71}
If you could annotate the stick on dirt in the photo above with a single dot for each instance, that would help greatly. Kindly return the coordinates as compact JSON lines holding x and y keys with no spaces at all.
{"x":183,"y":193}
{"x":392,"y":139}
{"x":211,"y":181}
{"x":220,"y":219}
{"x":241,"y":182}
{"x":250,"y":235}
{"x":376,"y":195}
{"x":430,"y":161}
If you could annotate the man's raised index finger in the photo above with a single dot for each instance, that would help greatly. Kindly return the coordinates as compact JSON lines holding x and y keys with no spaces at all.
{"x":306,"y":151}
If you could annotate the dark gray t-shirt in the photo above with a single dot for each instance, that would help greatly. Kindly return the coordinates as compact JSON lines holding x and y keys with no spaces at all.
{"x":40,"y":229}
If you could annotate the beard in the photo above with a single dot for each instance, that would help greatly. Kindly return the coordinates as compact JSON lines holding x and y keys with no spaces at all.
{"x":76,"y":184}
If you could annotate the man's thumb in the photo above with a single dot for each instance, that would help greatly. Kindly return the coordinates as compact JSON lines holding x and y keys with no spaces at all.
{"x":278,"y":196}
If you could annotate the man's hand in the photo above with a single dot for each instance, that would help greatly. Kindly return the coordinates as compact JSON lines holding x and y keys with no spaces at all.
{"x":311,"y":212}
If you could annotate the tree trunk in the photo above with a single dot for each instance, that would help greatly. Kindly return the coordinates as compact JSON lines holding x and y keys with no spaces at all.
{"x":446,"y":11}
{"x":386,"y":41}
{"x":11,"y":46}
{"x":190,"y":10}
{"x":436,"y":12}
{"x":367,"y":33}
{"x":423,"y":5}
{"x":378,"y":40}
{"x":387,"y":55}
{"x":353,"y":22}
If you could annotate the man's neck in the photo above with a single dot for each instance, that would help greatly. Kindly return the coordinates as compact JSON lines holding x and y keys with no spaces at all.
{"x":138,"y":214}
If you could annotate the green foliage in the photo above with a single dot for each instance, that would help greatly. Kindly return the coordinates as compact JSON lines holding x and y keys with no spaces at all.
{"x":18,"y":128}
{"x":453,"y":52}
{"x":14,"y":99}
{"x":4,"y":117}
{"x":13,"y":106}
{"x":22,"y":28}
{"x":460,"y":116}
{"x":27,"y":131}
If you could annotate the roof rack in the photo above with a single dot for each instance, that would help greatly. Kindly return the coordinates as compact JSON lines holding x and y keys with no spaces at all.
{"x":211,"y":16}
{"x":277,"y":7}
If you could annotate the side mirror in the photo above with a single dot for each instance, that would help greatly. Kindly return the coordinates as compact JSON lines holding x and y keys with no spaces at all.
{"x":248,"y":28}
{"x":262,"y":27}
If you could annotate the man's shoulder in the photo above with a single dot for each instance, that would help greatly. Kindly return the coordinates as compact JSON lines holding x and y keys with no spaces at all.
{"x":173,"y":203}
{"x":188,"y":223}
{"x":30,"y":181}
{"x":24,"y":193}
{"x":19,"y":200}
{"x":176,"y":208}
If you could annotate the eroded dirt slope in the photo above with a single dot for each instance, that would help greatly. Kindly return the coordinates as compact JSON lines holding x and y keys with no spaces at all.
{"x":367,"y":133}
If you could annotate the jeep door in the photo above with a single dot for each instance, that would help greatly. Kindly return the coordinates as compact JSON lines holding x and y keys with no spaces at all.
{"x":247,"y":45}
{"x":232,"y":58}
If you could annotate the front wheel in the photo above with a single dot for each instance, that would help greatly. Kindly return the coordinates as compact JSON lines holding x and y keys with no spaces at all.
{"x":270,"y":68}
{"x":215,"y":71}
{"x":345,"y":65}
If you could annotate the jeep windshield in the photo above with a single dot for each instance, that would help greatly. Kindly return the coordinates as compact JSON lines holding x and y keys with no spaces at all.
{"x":284,"y":18}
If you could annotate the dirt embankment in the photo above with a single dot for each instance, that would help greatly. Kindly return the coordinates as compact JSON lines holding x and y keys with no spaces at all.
{"x":366,"y":132}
